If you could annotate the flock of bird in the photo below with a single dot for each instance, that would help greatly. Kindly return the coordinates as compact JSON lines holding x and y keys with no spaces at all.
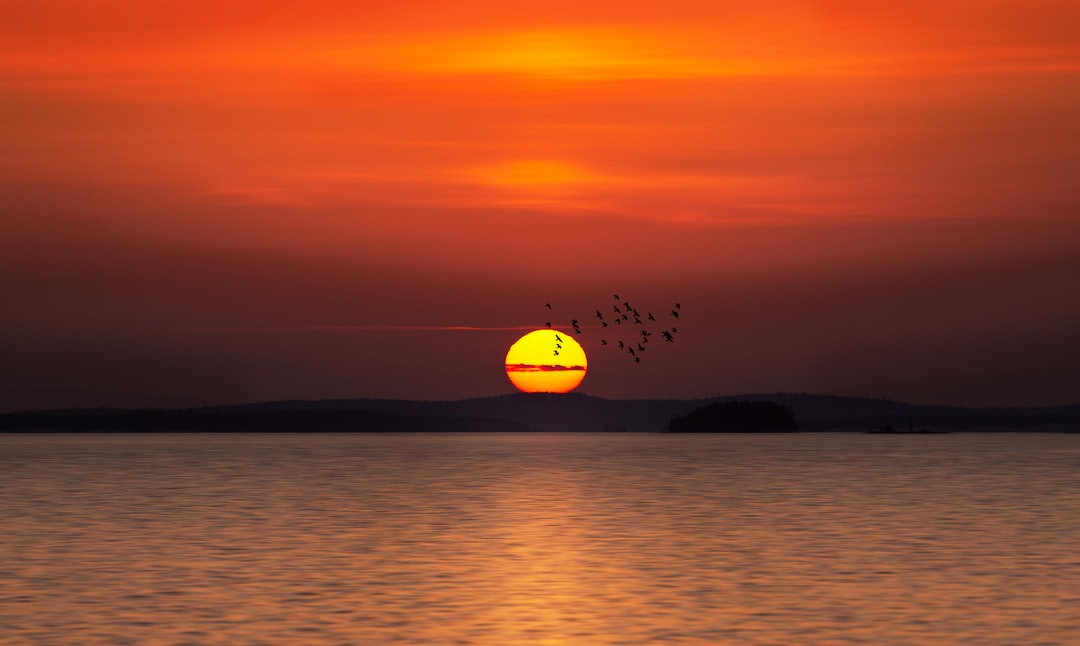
{"x":625,"y":314}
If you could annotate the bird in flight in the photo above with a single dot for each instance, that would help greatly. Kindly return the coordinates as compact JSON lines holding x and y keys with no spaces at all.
{"x":623,"y":311}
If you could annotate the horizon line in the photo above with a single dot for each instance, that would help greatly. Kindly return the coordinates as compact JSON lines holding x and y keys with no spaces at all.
{"x":518,"y":393}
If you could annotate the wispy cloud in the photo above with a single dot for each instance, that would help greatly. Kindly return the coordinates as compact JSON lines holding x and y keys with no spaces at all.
{"x":525,"y":367}
{"x":367,"y":328}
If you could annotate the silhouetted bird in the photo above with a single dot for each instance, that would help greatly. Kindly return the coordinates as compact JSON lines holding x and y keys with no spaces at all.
{"x":624,"y":311}
{"x":556,"y":353}
{"x":548,"y":325}
{"x":557,"y":337}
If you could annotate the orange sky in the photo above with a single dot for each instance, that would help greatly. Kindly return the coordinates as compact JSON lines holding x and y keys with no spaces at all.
{"x":205,"y":205}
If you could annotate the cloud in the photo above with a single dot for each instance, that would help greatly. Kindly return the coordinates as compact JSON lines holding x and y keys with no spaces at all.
{"x":370,"y":328}
{"x":525,"y":367}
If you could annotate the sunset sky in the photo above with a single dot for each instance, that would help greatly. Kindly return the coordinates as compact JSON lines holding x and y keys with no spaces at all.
{"x":206,"y":202}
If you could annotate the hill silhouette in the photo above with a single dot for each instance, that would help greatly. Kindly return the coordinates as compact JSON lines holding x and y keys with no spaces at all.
{"x":736,"y":417}
{"x":572,"y":412}
{"x":248,"y":421}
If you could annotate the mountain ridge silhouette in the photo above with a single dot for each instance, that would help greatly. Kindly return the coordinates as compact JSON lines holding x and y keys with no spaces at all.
{"x":573,"y":412}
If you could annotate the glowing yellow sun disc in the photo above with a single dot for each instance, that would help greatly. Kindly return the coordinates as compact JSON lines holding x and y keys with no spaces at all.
{"x":546,"y":361}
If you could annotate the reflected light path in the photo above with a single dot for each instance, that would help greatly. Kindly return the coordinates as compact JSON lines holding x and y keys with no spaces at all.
{"x":500,"y":539}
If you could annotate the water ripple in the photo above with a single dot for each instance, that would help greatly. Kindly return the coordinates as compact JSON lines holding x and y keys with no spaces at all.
{"x":540,"y":539}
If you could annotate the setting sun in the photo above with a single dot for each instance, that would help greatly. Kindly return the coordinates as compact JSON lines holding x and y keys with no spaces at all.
{"x":546,"y":361}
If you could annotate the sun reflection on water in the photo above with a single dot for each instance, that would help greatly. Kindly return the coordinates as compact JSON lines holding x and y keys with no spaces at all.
{"x":539,"y":539}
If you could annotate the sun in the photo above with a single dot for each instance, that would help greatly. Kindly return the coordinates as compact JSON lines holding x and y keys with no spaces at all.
{"x":546,"y":361}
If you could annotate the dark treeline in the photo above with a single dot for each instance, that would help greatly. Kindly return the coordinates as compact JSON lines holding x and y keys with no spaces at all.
{"x":736,"y":417}
{"x":575,"y":413}
{"x":952,"y":422}
{"x":224,"y":421}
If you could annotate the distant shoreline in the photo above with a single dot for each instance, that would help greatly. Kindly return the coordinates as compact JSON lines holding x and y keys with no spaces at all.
{"x":521,"y":413}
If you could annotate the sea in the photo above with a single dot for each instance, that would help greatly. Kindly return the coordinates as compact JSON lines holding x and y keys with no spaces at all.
{"x":542,"y":538}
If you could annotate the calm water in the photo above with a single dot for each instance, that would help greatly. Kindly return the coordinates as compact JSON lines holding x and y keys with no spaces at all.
{"x":540,"y":539}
